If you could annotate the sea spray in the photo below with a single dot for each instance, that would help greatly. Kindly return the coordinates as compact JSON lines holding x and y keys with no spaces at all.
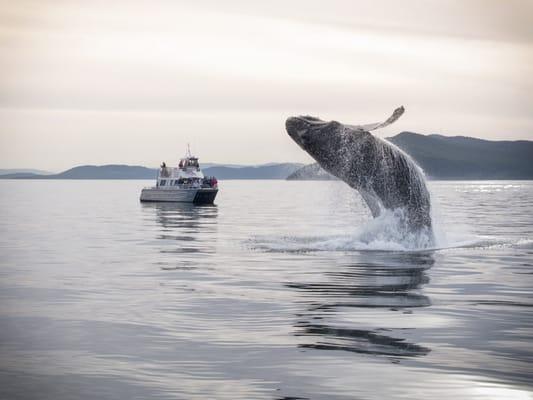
{"x":387,"y":179}
{"x":387,"y":232}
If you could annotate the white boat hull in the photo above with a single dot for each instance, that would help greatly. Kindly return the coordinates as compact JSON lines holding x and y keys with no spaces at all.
{"x":175,"y":195}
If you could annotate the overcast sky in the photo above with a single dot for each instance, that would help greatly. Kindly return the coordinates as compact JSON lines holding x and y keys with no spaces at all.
{"x":96,"y":82}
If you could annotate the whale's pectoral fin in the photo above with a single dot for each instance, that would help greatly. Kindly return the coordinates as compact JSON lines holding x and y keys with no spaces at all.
{"x":371,"y":127}
{"x":372,"y":201}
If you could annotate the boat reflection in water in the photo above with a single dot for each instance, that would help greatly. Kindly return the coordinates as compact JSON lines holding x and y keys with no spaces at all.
{"x":342,"y":310}
{"x":185,"y":229}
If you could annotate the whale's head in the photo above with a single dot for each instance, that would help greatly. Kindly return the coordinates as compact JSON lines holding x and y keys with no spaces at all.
{"x":328,"y":142}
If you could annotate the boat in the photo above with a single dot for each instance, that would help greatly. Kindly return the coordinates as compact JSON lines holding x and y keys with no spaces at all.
{"x":182,"y":184}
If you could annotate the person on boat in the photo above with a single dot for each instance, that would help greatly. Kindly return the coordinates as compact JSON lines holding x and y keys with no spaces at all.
{"x":164,"y":171}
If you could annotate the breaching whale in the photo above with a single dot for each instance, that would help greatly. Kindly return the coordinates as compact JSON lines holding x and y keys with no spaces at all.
{"x":385,"y":176}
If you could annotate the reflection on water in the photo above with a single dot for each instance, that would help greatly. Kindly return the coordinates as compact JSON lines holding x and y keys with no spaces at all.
{"x":190,"y":217}
{"x":387,"y":281}
{"x":191,"y":228}
{"x":104,"y":297}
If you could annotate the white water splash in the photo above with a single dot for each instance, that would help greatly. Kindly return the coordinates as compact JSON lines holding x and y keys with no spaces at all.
{"x":387,"y":232}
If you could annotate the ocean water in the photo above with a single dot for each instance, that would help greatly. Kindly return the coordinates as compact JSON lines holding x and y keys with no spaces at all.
{"x":282,"y":290}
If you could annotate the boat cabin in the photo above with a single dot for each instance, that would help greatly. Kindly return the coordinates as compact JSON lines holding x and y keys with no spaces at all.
{"x":189,"y":162}
{"x":187,"y":175}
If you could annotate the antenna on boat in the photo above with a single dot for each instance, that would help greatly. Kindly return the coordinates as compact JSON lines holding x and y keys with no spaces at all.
{"x":188,"y":155}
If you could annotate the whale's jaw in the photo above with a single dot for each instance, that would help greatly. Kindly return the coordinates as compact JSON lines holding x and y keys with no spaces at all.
{"x":296,"y":128}
{"x":386,"y":177}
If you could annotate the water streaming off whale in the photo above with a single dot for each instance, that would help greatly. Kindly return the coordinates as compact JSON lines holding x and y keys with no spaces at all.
{"x":386,"y":178}
{"x":266,"y":295}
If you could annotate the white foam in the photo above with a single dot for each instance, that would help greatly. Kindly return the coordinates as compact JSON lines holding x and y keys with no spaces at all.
{"x":390,"y":232}
{"x":387,"y":232}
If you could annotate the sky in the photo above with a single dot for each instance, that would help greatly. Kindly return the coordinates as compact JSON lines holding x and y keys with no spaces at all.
{"x":133,"y":81}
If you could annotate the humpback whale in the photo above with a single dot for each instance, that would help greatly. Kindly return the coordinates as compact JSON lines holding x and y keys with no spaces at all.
{"x":385,"y":176}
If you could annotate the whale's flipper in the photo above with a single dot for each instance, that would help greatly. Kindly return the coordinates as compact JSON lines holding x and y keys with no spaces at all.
{"x":372,"y":201}
{"x":371,"y":127}
{"x":385,"y":176}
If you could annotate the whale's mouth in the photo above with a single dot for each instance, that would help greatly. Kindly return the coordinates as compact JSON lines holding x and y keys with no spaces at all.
{"x":298,"y":126}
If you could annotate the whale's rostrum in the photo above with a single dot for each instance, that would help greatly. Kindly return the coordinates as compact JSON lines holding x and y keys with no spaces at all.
{"x":385,"y":176}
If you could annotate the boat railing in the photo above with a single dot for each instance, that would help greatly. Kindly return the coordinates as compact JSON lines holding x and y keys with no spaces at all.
{"x":184,"y":186}
{"x":171,"y":173}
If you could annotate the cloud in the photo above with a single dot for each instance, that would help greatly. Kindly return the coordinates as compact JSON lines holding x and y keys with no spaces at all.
{"x":450,"y":63}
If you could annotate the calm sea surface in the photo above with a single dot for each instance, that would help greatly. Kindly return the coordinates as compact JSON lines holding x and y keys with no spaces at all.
{"x":283,"y":290}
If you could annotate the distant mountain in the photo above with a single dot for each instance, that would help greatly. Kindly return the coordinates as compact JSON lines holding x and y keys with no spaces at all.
{"x":94,"y":172}
{"x":441,"y":157}
{"x":24,"y":171}
{"x":311,"y":172}
{"x":462,"y":157}
{"x":269,"y":171}
{"x":108,"y":172}
{"x":458,"y":157}
{"x":24,"y":175}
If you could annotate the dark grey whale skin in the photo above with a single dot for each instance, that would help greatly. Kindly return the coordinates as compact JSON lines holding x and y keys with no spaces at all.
{"x":386,"y":177}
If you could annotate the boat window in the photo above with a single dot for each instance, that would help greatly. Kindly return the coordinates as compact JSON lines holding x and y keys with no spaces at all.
{"x":163,"y":181}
